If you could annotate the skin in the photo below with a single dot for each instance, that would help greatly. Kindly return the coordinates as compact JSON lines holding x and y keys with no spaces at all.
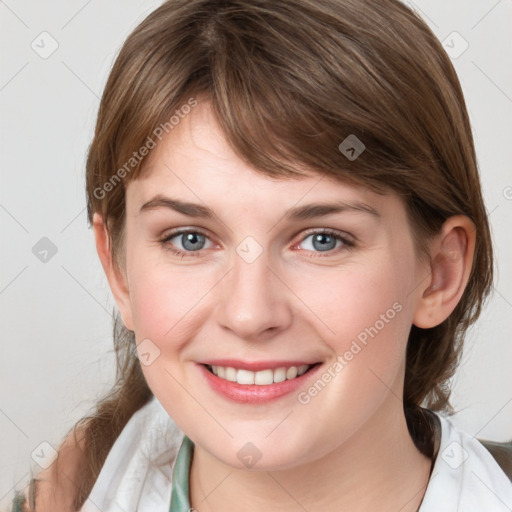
{"x":348,"y":448}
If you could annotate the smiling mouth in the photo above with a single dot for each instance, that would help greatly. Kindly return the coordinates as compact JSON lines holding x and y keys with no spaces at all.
{"x":259,"y":378}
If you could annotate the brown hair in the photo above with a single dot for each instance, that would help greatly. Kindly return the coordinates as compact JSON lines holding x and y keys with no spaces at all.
{"x":288,"y":81}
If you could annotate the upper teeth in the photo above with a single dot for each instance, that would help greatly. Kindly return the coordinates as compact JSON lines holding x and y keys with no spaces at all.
{"x":262,"y":378}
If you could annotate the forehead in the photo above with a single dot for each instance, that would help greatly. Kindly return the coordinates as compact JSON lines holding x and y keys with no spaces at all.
{"x":194,"y":161}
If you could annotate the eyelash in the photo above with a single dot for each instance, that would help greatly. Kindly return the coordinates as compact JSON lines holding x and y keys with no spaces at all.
{"x":347,"y":244}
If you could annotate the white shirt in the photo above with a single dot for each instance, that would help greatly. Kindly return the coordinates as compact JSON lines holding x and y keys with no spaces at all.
{"x":137,"y":474}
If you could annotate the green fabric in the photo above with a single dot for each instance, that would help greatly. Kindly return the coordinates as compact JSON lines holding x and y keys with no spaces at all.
{"x":180,"y":486}
{"x":18,"y":502}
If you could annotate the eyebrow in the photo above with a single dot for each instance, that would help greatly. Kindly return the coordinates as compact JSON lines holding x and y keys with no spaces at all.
{"x":306,"y":212}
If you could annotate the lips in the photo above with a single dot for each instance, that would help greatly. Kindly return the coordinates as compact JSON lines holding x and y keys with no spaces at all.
{"x":256,"y":382}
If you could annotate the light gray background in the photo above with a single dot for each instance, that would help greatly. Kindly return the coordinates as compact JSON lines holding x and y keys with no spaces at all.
{"x":55,"y":329}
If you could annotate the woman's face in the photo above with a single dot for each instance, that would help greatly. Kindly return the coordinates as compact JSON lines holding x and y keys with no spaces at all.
{"x":272,"y":278}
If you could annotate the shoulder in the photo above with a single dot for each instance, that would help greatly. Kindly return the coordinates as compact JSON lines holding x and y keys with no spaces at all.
{"x":138,"y":469}
{"x":465,"y":475}
{"x":502,"y":453}
{"x":54,"y":487}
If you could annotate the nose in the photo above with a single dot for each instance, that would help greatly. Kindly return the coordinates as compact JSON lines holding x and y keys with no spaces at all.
{"x":255,"y":303}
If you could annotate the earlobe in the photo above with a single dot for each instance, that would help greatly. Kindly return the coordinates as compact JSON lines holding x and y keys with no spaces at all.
{"x":116,"y":277}
{"x":451,"y":263}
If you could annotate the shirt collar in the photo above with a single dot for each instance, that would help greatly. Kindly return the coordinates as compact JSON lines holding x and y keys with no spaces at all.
{"x":180,"y":484}
{"x":477,"y":483}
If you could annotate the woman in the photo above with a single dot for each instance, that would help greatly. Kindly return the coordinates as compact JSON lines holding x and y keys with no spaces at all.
{"x":287,"y":207}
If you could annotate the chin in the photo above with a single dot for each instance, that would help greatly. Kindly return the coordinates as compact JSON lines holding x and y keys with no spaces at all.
{"x":260,"y":454}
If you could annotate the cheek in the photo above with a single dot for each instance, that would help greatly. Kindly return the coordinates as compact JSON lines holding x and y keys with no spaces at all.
{"x":164,"y":297}
{"x":364,"y":314}
{"x":165,"y":303}
{"x":365,"y":318}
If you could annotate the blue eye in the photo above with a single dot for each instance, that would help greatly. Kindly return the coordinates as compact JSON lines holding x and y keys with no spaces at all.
{"x":322,"y":241}
{"x":191,"y":242}
{"x":325,"y":241}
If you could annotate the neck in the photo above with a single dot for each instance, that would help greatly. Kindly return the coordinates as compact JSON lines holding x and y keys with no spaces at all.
{"x":378,"y":468}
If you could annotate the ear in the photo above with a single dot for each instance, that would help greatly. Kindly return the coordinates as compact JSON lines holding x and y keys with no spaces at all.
{"x":116,"y":277}
{"x":451,"y":261}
